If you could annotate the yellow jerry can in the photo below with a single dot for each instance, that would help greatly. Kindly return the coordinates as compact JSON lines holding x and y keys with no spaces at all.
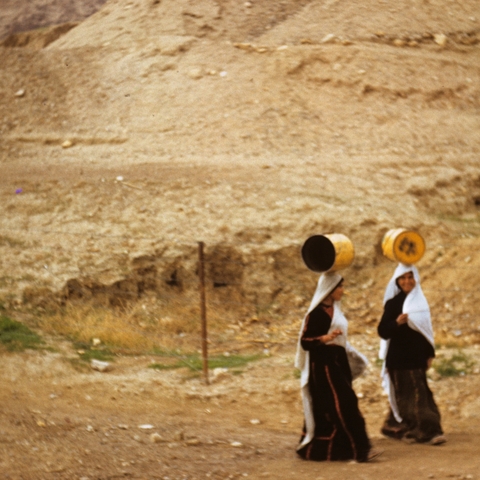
{"x":403,"y":246}
{"x":327,"y":253}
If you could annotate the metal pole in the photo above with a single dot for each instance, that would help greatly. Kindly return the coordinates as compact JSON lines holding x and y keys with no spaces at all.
{"x":203,"y":310}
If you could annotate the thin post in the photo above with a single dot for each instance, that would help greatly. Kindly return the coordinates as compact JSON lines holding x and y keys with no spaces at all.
{"x":203,"y":310}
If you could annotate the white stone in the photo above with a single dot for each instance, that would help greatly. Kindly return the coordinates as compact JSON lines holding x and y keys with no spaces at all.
{"x":156,"y":438}
{"x":192,"y":442}
{"x":219,"y":373}
{"x":440,"y":39}
{"x":328,"y":38}
{"x":100,"y":366}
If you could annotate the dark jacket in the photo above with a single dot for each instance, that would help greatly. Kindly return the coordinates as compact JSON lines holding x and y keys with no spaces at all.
{"x":408,"y":348}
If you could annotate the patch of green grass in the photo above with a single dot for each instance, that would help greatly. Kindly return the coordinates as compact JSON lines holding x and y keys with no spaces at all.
{"x":16,"y":337}
{"x":195,"y":363}
{"x":458,"y":364}
{"x":87,"y":352}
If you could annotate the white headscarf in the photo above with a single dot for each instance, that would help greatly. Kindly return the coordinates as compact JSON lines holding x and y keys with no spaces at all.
{"x":418,"y":311}
{"x":326,"y":284}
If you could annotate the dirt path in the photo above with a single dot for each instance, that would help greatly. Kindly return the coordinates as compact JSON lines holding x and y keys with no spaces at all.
{"x":133,"y":422}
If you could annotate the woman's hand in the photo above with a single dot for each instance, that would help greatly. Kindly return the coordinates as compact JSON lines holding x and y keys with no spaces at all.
{"x":330,"y":337}
{"x":402,"y":319}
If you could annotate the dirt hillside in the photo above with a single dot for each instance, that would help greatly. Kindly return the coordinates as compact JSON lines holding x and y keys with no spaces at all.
{"x":22,"y":16}
{"x":130,"y":130}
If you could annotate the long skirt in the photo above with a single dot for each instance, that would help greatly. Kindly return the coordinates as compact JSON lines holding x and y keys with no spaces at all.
{"x":340,"y":431}
{"x":419,"y":412}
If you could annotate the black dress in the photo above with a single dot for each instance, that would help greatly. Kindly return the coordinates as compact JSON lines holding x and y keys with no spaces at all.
{"x":406,"y":362}
{"x":340,"y":431}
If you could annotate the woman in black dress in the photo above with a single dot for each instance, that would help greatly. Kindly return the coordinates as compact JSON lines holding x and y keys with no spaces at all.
{"x":334,"y":428}
{"x":407,"y":348}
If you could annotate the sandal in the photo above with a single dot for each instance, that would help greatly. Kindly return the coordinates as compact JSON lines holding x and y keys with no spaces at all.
{"x":393,"y":432}
{"x":372,"y":454}
{"x":438,"y":440}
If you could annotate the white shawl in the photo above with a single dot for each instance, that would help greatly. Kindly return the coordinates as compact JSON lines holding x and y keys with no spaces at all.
{"x":358,"y":362}
{"x":416,"y":306}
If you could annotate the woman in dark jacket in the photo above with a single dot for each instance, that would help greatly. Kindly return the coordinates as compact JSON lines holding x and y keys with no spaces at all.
{"x":407,"y":349}
{"x":334,"y":428}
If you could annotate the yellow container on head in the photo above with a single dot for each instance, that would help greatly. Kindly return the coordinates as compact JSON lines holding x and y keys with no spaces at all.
{"x":403,"y":246}
{"x":328,"y":253}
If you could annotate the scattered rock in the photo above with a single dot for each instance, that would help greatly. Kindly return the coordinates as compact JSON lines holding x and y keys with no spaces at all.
{"x":219,"y":374}
{"x":243,"y":46}
{"x":192,"y":442}
{"x":330,"y":38}
{"x":179,"y":436}
{"x":440,"y":39}
{"x":174,"y":44}
{"x":145,"y":426}
{"x":157,"y":438}
{"x":100,"y":366}
{"x":195,"y":73}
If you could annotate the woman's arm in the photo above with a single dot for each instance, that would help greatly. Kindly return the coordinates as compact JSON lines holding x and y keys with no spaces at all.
{"x":315,"y":333}
{"x":392,"y":318}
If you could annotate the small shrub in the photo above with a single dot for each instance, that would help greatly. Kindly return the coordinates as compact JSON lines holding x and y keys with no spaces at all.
{"x":16,"y":337}
{"x":458,"y":364}
{"x":115,"y":329}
